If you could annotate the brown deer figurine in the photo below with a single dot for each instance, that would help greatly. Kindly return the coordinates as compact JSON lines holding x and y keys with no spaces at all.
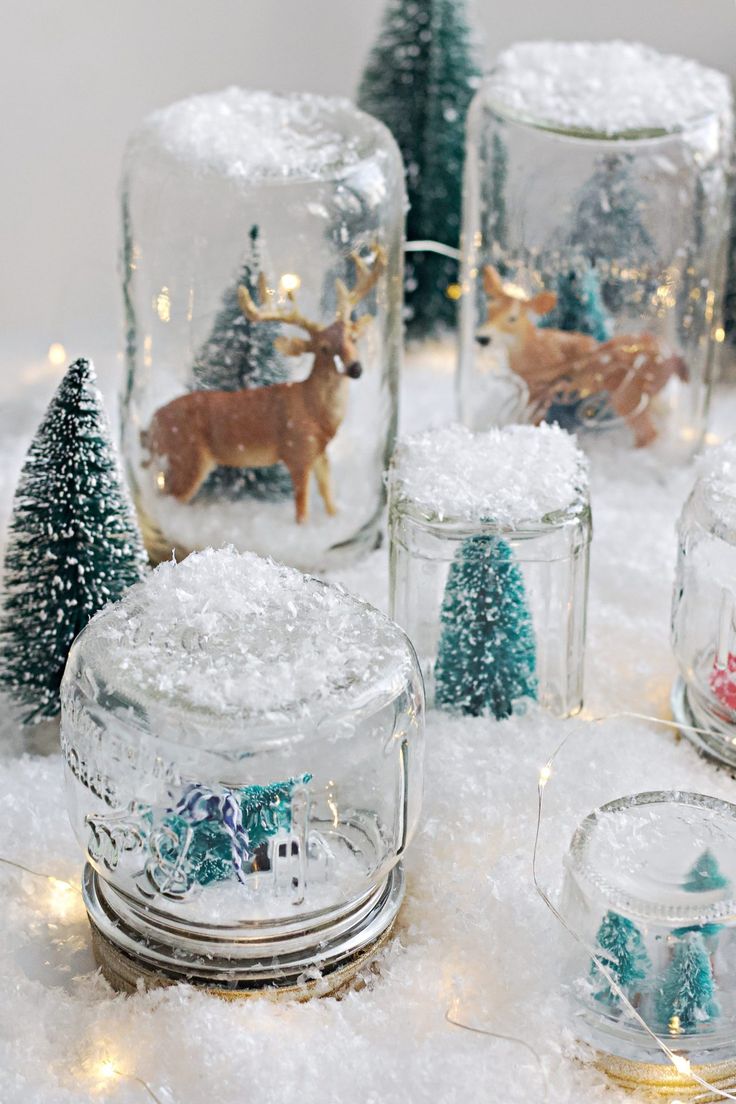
{"x":289,"y":422}
{"x":557,"y":365}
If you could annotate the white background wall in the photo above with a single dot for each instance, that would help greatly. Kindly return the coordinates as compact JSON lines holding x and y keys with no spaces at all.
{"x":77,"y":75}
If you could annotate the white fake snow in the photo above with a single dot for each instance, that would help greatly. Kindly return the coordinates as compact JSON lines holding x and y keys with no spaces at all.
{"x":256,"y":135}
{"x":509,"y":475}
{"x":610,"y":87}
{"x":257,"y":639}
{"x":471,"y":929}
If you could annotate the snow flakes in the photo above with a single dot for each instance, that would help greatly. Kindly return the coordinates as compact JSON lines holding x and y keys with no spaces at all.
{"x":609,"y":87}
{"x":243,"y":636}
{"x":256,"y":135}
{"x":510,"y":475}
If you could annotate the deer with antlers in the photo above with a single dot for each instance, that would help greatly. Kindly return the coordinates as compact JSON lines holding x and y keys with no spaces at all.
{"x":289,"y":422}
{"x":561,"y":366}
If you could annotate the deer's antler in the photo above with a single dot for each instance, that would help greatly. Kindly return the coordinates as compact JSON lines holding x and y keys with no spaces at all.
{"x":269,"y":311}
{"x":366,"y":277}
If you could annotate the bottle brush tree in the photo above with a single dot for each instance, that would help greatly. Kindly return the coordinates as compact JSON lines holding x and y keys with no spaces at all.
{"x":486,"y":657}
{"x":624,"y":955}
{"x":419,"y":81}
{"x":73,"y":544}
{"x":579,"y":309}
{"x":609,"y":230}
{"x":239,"y":354}
{"x":687,"y":997}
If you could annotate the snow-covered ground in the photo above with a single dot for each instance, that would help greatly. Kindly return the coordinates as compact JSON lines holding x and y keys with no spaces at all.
{"x":472,"y":935}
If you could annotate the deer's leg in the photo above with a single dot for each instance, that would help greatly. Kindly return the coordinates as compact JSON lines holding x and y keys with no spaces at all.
{"x":186,"y":474}
{"x":300,"y":479}
{"x":324,"y":483}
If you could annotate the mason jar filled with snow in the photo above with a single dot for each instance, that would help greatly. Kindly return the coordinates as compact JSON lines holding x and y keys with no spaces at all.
{"x":243,"y":756}
{"x":595,"y":229}
{"x":649,"y":893}
{"x":490,"y":536}
{"x":261,"y":267}
{"x":704,"y":608}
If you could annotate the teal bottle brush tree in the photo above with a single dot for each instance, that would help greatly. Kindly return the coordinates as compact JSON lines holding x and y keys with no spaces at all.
{"x":240,"y":353}
{"x":73,"y":544}
{"x":419,"y":81}
{"x":579,"y":309}
{"x":486,"y":657}
{"x":623,"y":953}
{"x":687,"y":996}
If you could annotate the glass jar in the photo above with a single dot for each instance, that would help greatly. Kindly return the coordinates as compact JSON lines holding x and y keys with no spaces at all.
{"x":594,"y":239}
{"x":649,"y":885}
{"x":262,"y":248}
{"x":490,"y":537}
{"x":704,"y":609}
{"x":243,"y":748}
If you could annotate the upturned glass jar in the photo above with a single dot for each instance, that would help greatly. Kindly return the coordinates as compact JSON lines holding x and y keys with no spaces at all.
{"x":594,"y":240}
{"x":490,"y":538}
{"x":649,"y":886}
{"x":243,"y":749}
{"x":704,"y":609}
{"x":262,"y":258}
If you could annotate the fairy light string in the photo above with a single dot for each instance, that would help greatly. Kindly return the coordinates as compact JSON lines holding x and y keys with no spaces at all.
{"x":680,"y":1063}
{"x":105,"y":1070}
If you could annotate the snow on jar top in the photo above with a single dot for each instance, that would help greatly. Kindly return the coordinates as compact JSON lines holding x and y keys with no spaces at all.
{"x":666,"y":855}
{"x":508,"y":476}
{"x":257,"y":136}
{"x":240,"y":637}
{"x":610,"y":88}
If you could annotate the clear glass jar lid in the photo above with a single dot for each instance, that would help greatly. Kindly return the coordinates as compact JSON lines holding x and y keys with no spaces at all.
{"x":253,"y":644}
{"x":660,"y":857}
{"x":261,"y":136}
{"x":510,"y":476}
{"x":605,"y":89}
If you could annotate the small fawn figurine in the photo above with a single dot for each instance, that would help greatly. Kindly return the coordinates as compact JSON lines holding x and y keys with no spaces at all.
{"x":289,"y":422}
{"x":562,"y":366}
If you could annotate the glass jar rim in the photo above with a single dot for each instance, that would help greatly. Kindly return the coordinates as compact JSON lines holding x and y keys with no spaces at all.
{"x":589,"y":134}
{"x":373,"y":135}
{"x":602,"y":886}
{"x":576,"y":512}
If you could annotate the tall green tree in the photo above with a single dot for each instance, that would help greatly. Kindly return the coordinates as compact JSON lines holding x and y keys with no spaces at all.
{"x":239,"y":354}
{"x":687,"y":996}
{"x":625,"y":956}
{"x":609,"y":231}
{"x":419,"y":80}
{"x":73,"y":543}
{"x":486,"y":657}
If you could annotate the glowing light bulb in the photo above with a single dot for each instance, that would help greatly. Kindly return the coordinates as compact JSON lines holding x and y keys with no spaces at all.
{"x":454,"y":291}
{"x":105,"y":1070}
{"x":57,"y":354}
{"x":719,"y":334}
{"x":289,"y":283}
{"x":682,"y":1065}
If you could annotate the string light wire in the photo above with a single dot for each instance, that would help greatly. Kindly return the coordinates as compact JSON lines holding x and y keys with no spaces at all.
{"x":681,"y":1064}
{"x":451,"y":1017}
{"x":106,"y":1068}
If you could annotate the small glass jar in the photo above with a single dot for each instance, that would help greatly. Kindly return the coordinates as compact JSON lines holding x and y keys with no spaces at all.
{"x":649,"y":885}
{"x":704,"y":609}
{"x":243,"y":748}
{"x":262,"y":247}
{"x":594,"y":239}
{"x":490,"y":537}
